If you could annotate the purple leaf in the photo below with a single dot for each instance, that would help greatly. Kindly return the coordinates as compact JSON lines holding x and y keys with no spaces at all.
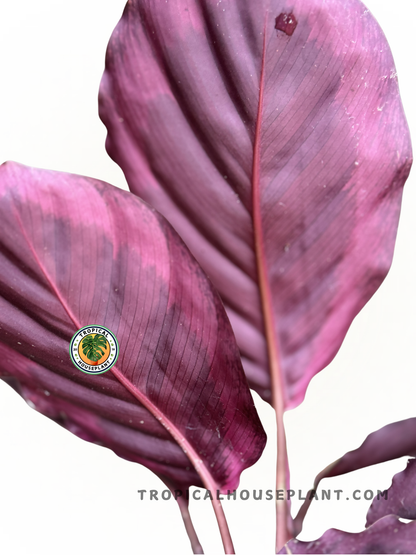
{"x":387,"y":535}
{"x":272,"y":136}
{"x":400,"y":498}
{"x":75,"y":251}
{"x":390,"y":442}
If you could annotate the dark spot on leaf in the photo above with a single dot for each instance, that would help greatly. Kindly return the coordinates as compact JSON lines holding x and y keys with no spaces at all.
{"x":287,"y":23}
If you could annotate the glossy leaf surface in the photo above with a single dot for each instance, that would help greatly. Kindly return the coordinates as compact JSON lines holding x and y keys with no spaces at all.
{"x":387,"y":535}
{"x":75,"y":252}
{"x":271,"y":135}
{"x":401,"y":497}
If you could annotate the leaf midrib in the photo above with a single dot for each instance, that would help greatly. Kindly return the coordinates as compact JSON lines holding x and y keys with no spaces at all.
{"x":276,"y":378}
{"x":259,"y":247}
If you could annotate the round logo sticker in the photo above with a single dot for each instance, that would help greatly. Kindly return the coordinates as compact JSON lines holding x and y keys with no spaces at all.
{"x":94,"y":349}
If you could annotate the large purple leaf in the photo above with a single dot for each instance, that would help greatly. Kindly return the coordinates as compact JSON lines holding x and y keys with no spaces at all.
{"x":271,"y":134}
{"x":400,"y":498}
{"x":390,"y":442}
{"x":387,"y":535}
{"x":75,"y":251}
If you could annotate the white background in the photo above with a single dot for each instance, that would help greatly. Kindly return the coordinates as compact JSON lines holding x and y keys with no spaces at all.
{"x":59,"y":494}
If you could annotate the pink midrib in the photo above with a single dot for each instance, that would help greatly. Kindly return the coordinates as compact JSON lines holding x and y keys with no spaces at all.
{"x":264,"y":283}
{"x":187,"y":448}
{"x":276,"y":379}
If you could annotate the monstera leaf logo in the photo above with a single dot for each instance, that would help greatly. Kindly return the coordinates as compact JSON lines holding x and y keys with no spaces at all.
{"x":94,"y":346}
{"x":94,"y":349}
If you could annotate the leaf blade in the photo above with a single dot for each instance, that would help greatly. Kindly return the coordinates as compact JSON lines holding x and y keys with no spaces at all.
{"x":329,"y":180}
{"x":48,"y":256}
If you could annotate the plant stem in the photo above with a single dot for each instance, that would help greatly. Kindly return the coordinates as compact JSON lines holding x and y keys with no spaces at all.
{"x":197,"y":462}
{"x":298,"y":521}
{"x":190,"y":530}
{"x":283,"y":517}
{"x":223,"y":526}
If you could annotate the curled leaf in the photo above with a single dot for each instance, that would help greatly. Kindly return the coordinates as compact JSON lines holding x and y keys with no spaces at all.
{"x":390,"y":442}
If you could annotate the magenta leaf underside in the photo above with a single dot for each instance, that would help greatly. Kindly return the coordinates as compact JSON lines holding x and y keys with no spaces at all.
{"x":272,"y":136}
{"x":387,"y":535}
{"x":395,"y":440}
{"x":384,"y":533}
{"x":400,"y":499}
{"x":390,"y":442}
{"x":75,"y":251}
